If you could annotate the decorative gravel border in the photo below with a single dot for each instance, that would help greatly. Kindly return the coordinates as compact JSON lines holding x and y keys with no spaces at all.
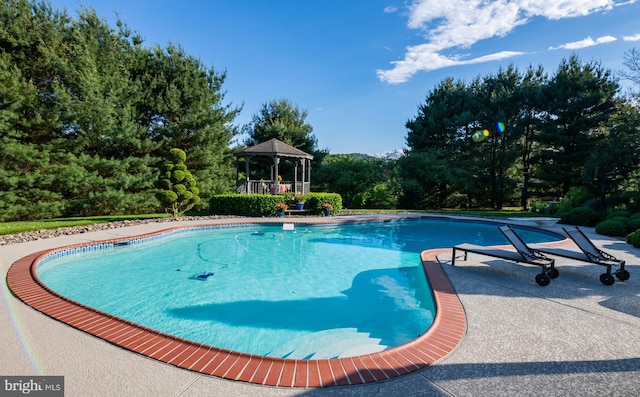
{"x":446,"y":332}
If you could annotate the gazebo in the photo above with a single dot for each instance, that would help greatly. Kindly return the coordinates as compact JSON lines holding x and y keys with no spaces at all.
{"x":275,"y":150}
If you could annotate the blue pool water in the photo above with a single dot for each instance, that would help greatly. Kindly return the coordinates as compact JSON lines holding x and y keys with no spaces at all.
{"x":312,"y":292}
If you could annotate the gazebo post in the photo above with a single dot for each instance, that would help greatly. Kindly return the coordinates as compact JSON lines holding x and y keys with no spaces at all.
{"x":295,"y":177}
{"x":237,"y":172}
{"x":276,"y":161}
{"x":304,"y":175}
{"x":247,"y":159}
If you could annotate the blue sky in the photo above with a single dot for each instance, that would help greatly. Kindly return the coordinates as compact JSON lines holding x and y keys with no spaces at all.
{"x":361,"y":68}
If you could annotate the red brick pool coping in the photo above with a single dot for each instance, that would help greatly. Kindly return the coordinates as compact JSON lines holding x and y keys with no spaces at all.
{"x":439,"y":340}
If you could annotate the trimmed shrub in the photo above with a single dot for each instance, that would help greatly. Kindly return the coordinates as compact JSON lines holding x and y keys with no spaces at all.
{"x":633,"y":224}
{"x":315,"y":201}
{"x":634,"y":238}
{"x":580,"y":216}
{"x":621,"y":219}
{"x":265,"y":204}
{"x":619,"y":213}
{"x":244,"y":204}
{"x":611,"y":227}
{"x":177,"y":187}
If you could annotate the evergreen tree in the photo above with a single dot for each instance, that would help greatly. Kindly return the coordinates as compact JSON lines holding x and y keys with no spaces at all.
{"x":87,"y":113}
{"x":100,"y":90}
{"x":500,"y":130}
{"x":498,"y":120}
{"x":284,"y":121}
{"x":443,"y":128}
{"x":614,"y":162}
{"x":580,"y":98}
{"x":181,"y":105}
{"x":529,"y":97}
{"x":30,"y":35}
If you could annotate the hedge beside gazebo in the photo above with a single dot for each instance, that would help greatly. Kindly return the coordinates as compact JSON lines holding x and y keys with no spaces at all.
{"x":275,"y":150}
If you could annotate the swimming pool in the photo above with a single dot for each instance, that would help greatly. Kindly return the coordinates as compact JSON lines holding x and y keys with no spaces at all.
{"x":308,"y":293}
{"x":435,"y":343}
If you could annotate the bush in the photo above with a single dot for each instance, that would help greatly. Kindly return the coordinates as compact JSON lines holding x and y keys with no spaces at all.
{"x":619,"y":213}
{"x":314,"y":201}
{"x":244,"y":204}
{"x":379,"y":196}
{"x":633,"y":224}
{"x":634,"y":238}
{"x":611,"y":227}
{"x":576,"y":196}
{"x":265,"y":204}
{"x":548,"y":207}
{"x":621,"y":219}
{"x":580,"y":216}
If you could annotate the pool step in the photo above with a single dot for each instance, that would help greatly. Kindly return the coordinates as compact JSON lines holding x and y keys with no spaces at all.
{"x":361,"y":350}
{"x":339,"y":342}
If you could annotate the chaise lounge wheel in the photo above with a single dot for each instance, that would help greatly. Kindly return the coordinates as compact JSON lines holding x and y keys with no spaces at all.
{"x":607,"y":279}
{"x":623,"y":275}
{"x":553,"y":273}
{"x":543,"y":280}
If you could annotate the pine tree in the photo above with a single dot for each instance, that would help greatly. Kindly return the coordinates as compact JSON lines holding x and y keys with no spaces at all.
{"x":284,"y":121}
{"x":580,"y":98}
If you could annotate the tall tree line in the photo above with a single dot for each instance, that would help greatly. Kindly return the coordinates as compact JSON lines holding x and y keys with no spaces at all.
{"x":509,"y":136}
{"x":87,"y":112}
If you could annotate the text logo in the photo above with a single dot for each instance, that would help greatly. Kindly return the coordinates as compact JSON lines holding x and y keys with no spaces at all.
{"x":39,"y":386}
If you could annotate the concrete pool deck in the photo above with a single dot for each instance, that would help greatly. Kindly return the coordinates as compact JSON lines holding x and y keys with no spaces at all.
{"x":573,"y":337}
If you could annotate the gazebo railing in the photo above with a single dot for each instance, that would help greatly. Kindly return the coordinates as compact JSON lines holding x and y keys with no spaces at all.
{"x":303,"y":187}
{"x":269,"y":187}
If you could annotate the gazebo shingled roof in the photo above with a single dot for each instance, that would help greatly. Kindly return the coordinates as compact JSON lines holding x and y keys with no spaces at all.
{"x":274,"y":147}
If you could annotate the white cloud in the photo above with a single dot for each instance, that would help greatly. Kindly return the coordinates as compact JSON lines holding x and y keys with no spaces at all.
{"x":570,"y":8}
{"x":390,"y":9}
{"x":425,"y":59}
{"x":588,"y":42}
{"x":635,"y":37}
{"x":458,"y":24}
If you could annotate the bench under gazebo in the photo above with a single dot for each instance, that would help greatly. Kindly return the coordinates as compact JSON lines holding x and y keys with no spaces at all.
{"x":274,"y":150}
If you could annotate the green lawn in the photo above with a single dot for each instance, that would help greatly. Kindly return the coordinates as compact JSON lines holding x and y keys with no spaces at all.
{"x":27,"y":226}
{"x":505,"y":212}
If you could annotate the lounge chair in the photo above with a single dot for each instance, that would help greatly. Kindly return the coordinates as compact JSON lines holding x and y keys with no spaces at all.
{"x":589,"y":253}
{"x":522,"y":254}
